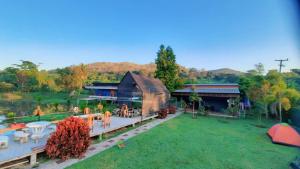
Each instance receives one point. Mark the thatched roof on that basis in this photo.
(148, 84)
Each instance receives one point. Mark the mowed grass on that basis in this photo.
(47, 117)
(205, 142)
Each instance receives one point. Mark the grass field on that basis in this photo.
(205, 143)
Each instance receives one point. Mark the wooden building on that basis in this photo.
(103, 91)
(151, 92)
(215, 96)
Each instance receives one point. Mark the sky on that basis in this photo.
(207, 34)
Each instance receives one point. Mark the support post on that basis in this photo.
(33, 159)
(100, 136)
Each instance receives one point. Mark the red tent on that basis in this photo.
(284, 134)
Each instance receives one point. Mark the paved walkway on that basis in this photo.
(97, 148)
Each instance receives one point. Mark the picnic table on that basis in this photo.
(38, 128)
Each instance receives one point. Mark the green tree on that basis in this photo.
(73, 78)
(8, 75)
(27, 75)
(27, 65)
(194, 98)
(166, 68)
(260, 69)
(285, 97)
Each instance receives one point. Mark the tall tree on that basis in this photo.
(286, 97)
(73, 78)
(260, 69)
(166, 68)
(27, 75)
(194, 98)
(27, 65)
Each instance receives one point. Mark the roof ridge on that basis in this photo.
(144, 81)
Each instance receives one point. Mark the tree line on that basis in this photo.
(27, 77)
(270, 92)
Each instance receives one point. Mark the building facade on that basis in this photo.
(215, 96)
(149, 92)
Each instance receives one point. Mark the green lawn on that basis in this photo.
(47, 117)
(205, 142)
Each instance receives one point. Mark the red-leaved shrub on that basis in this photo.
(163, 113)
(172, 109)
(71, 139)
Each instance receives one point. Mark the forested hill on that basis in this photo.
(147, 69)
(225, 71)
(121, 67)
(114, 71)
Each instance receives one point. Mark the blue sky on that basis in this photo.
(206, 34)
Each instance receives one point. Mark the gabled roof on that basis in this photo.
(213, 84)
(232, 88)
(149, 84)
(99, 85)
(211, 90)
(104, 84)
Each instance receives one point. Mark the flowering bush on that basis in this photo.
(163, 113)
(172, 109)
(71, 139)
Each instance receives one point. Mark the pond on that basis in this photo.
(2, 118)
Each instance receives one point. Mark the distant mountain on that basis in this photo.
(225, 71)
(147, 69)
(121, 67)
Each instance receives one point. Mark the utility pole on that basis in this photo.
(279, 96)
(281, 63)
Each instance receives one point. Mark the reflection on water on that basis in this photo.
(2, 117)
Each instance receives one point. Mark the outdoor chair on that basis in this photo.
(3, 142)
(116, 112)
(99, 116)
(26, 130)
(124, 111)
(86, 110)
(90, 120)
(106, 119)
(137, 112)
(21, 136)
(121, 112)
(130, 113)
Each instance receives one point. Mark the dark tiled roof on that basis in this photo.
(211, 90)
(214, 84)
(100, 85)
(104, 84)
